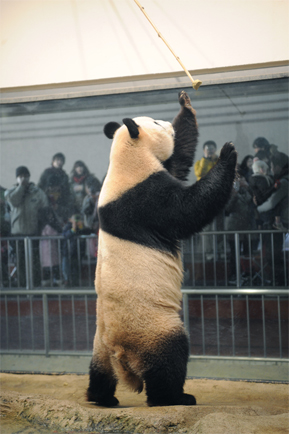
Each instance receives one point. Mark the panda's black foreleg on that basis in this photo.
(102, 385)
(166, 373)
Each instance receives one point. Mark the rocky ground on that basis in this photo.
(47, 404)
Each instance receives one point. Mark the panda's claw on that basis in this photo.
(228, 152)
(184, 99)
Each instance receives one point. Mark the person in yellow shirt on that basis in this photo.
(208, 161)
(201, 168)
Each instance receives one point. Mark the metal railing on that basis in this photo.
(219, 259)
(247, 323)
(48, 261)
(244, 317)
(227, 259)
(237, 323)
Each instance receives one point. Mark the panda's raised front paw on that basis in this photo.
(184, 99)
(228, 153)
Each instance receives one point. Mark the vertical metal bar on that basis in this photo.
(86, 322)
(218, 325)
(264, 327)
(248, 325)
(186, 314)
(19, 322)
(45, 324)
(284, 260)
(31, 321)
(225, 259)
(204, 259)
(79, 262)
(69, 261)
(6, 321)
(60, 322)
(279, 326)
(88, 242)
(272, 258)
(9, 263)
(262, 261)
(73, 322)
(50, 266)
(41, 261)
(250, 258)
(193, 261)
(17, 263)
(215, 259)
(203, 324)
(233, 325)
(237, 255)
(59, 261)
(28, 263)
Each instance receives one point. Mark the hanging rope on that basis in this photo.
(196, 83)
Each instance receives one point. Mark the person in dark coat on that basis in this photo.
(78, 178)
(261, 144)
(246, 167)
(239, 213)
(60, 179)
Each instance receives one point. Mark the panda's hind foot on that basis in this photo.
(187, 399)
(105, 401)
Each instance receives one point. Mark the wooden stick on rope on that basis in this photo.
(196, 83)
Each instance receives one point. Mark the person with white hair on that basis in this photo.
(260, 182)
(261, 186)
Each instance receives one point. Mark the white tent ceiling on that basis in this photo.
(63, 41)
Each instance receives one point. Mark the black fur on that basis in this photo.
(110, 128)
(186, 139)
(102, 386)
(132, 127)
(161, 210)
(166, 372)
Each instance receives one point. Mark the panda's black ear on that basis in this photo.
(110, 128)
(132, 127)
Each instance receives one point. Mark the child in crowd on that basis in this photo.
(73, 248)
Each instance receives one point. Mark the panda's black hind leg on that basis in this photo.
(102, 385)
(166, 373)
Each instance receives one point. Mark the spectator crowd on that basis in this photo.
(67, 205)
(259, 201)
(57, 205)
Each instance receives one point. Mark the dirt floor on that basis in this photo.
(56, 403)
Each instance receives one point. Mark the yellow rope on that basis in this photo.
(196, 83)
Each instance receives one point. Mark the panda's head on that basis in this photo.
(142, 133)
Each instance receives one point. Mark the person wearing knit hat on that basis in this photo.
(26, 201)
(22, 171)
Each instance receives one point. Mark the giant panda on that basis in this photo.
(145, 209)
